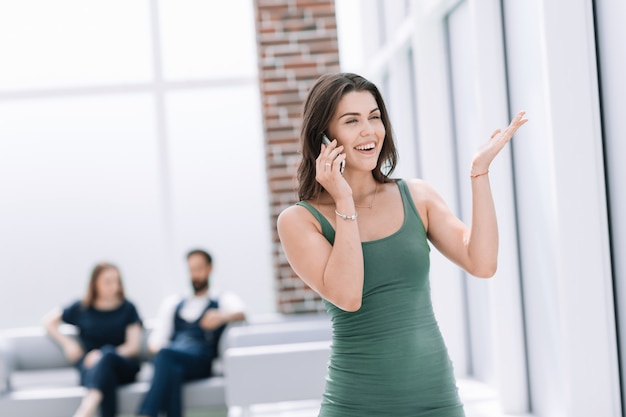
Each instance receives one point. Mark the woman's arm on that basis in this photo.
(132, 342)
(475, 249)
(71, 348)
(333, 271)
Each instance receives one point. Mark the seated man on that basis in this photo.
(185, 337)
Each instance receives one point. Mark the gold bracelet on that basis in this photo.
(345, 216)
(478, 175)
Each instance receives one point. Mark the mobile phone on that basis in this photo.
(326, 142)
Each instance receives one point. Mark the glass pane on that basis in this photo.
(463, 73)
(61, 43)
(78, 184)
(201, 40)
(219, 188)
(536, 210)
(611, 35)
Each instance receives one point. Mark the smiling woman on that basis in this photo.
(362, 131)
(370, 235)
(372, 111)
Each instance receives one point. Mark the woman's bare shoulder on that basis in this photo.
(294, 215)
(421, 190)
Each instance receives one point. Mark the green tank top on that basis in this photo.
(388, 359)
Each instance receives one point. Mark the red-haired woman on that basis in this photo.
(109, 339)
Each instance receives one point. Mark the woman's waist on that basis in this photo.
(377, 322)
(394, 336)
(415, 370)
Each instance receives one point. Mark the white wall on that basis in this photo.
(131, 145)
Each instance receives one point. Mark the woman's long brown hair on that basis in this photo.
(319, 108)
(92, 291)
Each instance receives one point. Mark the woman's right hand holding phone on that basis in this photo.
(328, 170)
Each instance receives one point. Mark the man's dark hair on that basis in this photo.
(204, 253)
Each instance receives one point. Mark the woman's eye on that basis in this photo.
(376, 116)
(351, 121)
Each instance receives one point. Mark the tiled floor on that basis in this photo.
(478, 400)
(202, 413)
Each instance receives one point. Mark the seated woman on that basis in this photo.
(109, 331)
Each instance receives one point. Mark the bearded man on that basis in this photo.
(185, 337)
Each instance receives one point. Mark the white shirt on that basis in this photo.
(192, 308)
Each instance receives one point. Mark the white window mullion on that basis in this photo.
(505, 298)
(437, 162)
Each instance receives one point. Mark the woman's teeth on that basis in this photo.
(365, 147)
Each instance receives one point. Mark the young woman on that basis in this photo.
(360, 240)
(109, 334)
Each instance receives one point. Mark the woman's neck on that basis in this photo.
(112, 303)
(363, 186)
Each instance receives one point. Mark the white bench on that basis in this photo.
(268, 366)
(282, 358)
(36, 379)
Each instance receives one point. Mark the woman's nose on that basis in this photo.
(368, 128)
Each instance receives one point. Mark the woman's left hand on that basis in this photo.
(92, 358)
(487, 152)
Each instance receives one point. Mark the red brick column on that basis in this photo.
(297, 42)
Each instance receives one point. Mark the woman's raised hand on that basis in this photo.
(487, 152)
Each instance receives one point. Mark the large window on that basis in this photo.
(542, 334)
(129, 132)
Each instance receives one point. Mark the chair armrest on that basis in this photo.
(275, 373)
(7, 363)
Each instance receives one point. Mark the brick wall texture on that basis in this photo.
(296, 43)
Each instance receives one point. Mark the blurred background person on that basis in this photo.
(186, 336)
(109, 339)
